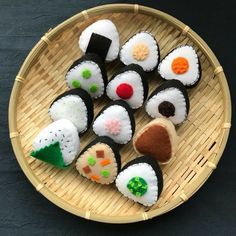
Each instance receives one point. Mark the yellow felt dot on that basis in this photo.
(140, 51)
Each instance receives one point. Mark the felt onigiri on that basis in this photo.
(100, 161)
(103, 33)
(181, 64)
(141, 180)
(75, 105)
(170, 100)
(141, 49)
(157, 139)
(57, 144)
(116, 121)
(129, 84)
(88, 73)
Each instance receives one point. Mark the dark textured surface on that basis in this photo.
(23, 211)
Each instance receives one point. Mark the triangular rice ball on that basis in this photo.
(129, 84)
(59, 134)
(115, 121)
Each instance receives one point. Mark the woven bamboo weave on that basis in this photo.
(202, 137)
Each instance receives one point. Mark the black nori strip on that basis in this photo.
(149, 160)
(199, 67)
(137, 68)
(126, 106)
(85, 97)
(173, 84)
(96, 59)
(99, 45)
(110, 143)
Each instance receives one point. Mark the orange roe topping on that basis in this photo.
(140, 51)
(180, 65)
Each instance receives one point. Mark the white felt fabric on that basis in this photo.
(114, 112)
(126, 52)
(132, 78)
(144, 171)
(96, 77)
(64, 132)
(73, 108)
(188, 78)
(172, 95)
(105, 28)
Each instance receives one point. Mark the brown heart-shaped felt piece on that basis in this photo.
(157, 139)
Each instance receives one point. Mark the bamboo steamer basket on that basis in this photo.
(202, 137)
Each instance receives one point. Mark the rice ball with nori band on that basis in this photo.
(75, 105)
(57, 144)
(181, 64)
(88, 73)
(141, 180)
(170, 100)
(100, 161)
(116, 120)
(141, 49)
(103, 33)
(129, 84)
(157, 139)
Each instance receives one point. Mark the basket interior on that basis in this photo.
(199, 135)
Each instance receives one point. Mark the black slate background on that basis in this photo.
(23, 211)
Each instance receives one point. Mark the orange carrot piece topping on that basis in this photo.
(105, 162)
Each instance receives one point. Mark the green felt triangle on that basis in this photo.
(51, 154)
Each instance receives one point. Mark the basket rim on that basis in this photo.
(15, 135)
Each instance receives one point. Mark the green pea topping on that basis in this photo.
(91, 161)
(76, 83)
(86, 74)
(105, 173)
(93, 88)
(137, 186)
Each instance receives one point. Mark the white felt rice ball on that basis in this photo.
(181, 64)
(150, 197)
(75, 105)
(129, 78)
(130, 85)
(63, 132)
(172, 95)
(141, 180)
(73, 108)
(170, 100)
(94, 85)
(89, 74)
(105, 28)
(141, 49)
(115, 123)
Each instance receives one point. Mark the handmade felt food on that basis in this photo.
(182, 64)
(57, 144)
(141, 180)
(129, 84)
(88, 73)
(75, 105)
(157, 139)
(100, 161)
(170, 100)
(103, 33)
(116, 121)
(141, 49)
